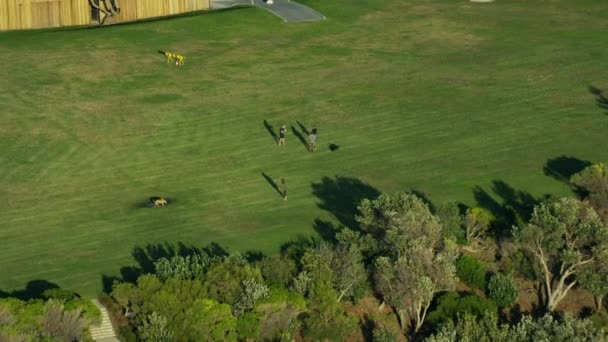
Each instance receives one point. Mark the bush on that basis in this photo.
(471, 271)
(59, 294)
(382, 334)
(125, 334)
(450, 305)
(248, 326)
(600, 320)
(503, 290)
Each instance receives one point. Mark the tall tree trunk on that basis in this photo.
(599, 305)
(402, 323)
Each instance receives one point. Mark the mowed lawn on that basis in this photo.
(448, 98)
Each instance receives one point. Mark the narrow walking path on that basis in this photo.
(104, 332)
(289, 11)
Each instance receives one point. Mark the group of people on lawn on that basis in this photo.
(312, 138)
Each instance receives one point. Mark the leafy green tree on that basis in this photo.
(594, 180)
(594, 278)
(224, 280)
(278, 270)
(188, 267)
(154, 329)
(452, 221)
(420, 262)
(451, 304)
(382, 334)
(472, 328)
(251, 293)
(503, 289)
(477, 222)
(564, 236)
(549, 329)
(326, 318)
(471, 271)
(212, 321)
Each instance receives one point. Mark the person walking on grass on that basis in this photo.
(282, 133)
(284, 190)
(313, 139)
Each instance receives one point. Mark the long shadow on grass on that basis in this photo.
(303, 128)
(341, 195)
(300, 137)
(272, 183)
(600, 99)
(147, 256)
(513, 208)
(271, 131)
(563, 168)
(33, 290)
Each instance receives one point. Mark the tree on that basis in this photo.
(224, 280)
(154, 329)
(212, 321)
(594, 278)
(564, 235)
(419, 262)
(594, 180)
(188, 267)
(547, 328)
(252, 293)
(278, 270)
(477, 221)
(503, 289)
(326, 318)
(470, 328)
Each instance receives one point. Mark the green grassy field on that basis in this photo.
(448, 98)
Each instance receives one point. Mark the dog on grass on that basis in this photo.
(159, 202)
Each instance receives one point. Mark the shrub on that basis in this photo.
(450, 305)
(382, 334)
(599, 319)
(503, 289)
(471, 271)
(126, 334)
(248, 326)
(59, 294)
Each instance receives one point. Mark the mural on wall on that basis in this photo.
(102, 10)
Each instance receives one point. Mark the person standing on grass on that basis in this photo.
(313, 139)
(282, 133)
(284, 190)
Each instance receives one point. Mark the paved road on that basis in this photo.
(289, 11)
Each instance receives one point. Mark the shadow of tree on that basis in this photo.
(151, 253)
(563, 167)
(295, 248)
(326, 230)
(600, 99)
(33, 290)
(341, 196)
(515, 207)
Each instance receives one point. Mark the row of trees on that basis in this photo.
(401, 252)
(59, 315)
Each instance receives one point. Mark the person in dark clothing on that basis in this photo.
(282, 132)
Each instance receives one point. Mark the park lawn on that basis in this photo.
(457, 101)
